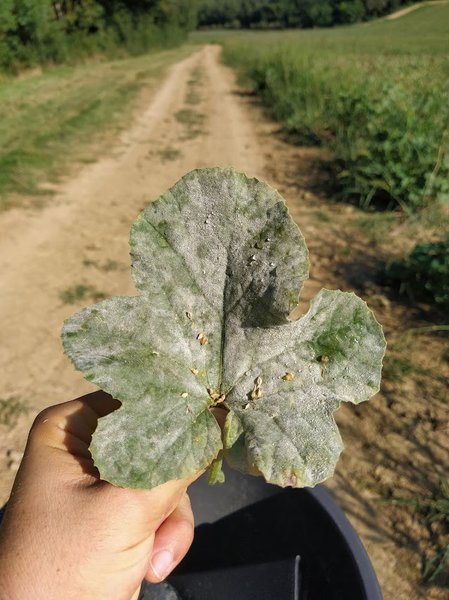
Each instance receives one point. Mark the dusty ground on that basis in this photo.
(196, 118)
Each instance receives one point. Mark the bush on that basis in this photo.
(424, 274)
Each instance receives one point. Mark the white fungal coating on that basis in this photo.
(210, 329)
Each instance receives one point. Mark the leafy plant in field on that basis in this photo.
(424, 274)
(388, 133)
(219, 263)
(390, 147)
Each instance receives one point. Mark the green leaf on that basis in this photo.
(219, 264)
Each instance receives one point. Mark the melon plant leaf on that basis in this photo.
(219, 263)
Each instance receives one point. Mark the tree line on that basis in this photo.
(39, 31)
(263, 14)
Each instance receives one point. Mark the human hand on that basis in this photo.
(67, 534)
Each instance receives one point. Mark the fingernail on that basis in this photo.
(161, 563)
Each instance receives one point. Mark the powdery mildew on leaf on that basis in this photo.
(219, 263)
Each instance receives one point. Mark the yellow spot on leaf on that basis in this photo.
(288, 376)
(202, 338)
(256, 393)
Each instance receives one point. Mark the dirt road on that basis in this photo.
(408, 9)
(81, 239)
(76, 248)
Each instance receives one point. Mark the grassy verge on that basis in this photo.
(51, 120)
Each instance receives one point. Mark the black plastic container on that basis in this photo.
(246, 523)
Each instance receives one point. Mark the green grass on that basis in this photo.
(322, 216)
(424, 273)
(399, 363)
(11, 409)
(169, 153)
(445, 355)
(376, 225)
(50, 120)
(398, 367)
(189, 117)
(193, 96)
(375, 94)
(192, 121)
(81, 292)
(434, 511)
(106, 267)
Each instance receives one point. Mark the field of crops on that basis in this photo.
(375, 94)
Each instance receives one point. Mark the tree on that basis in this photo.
(320, 13)
(350, 11)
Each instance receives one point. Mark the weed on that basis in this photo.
(87, 262)
(192, 120)
(109, 265)
(106, 267)
(322, 216)
(396, 367)
(432, 510)
(196, 77)
(189, 117)
(445, 355)
(192, 134)
(424, 274)
(78, 293)
(170, 153)
(192, 97)
(376, 225)
(11, 409)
